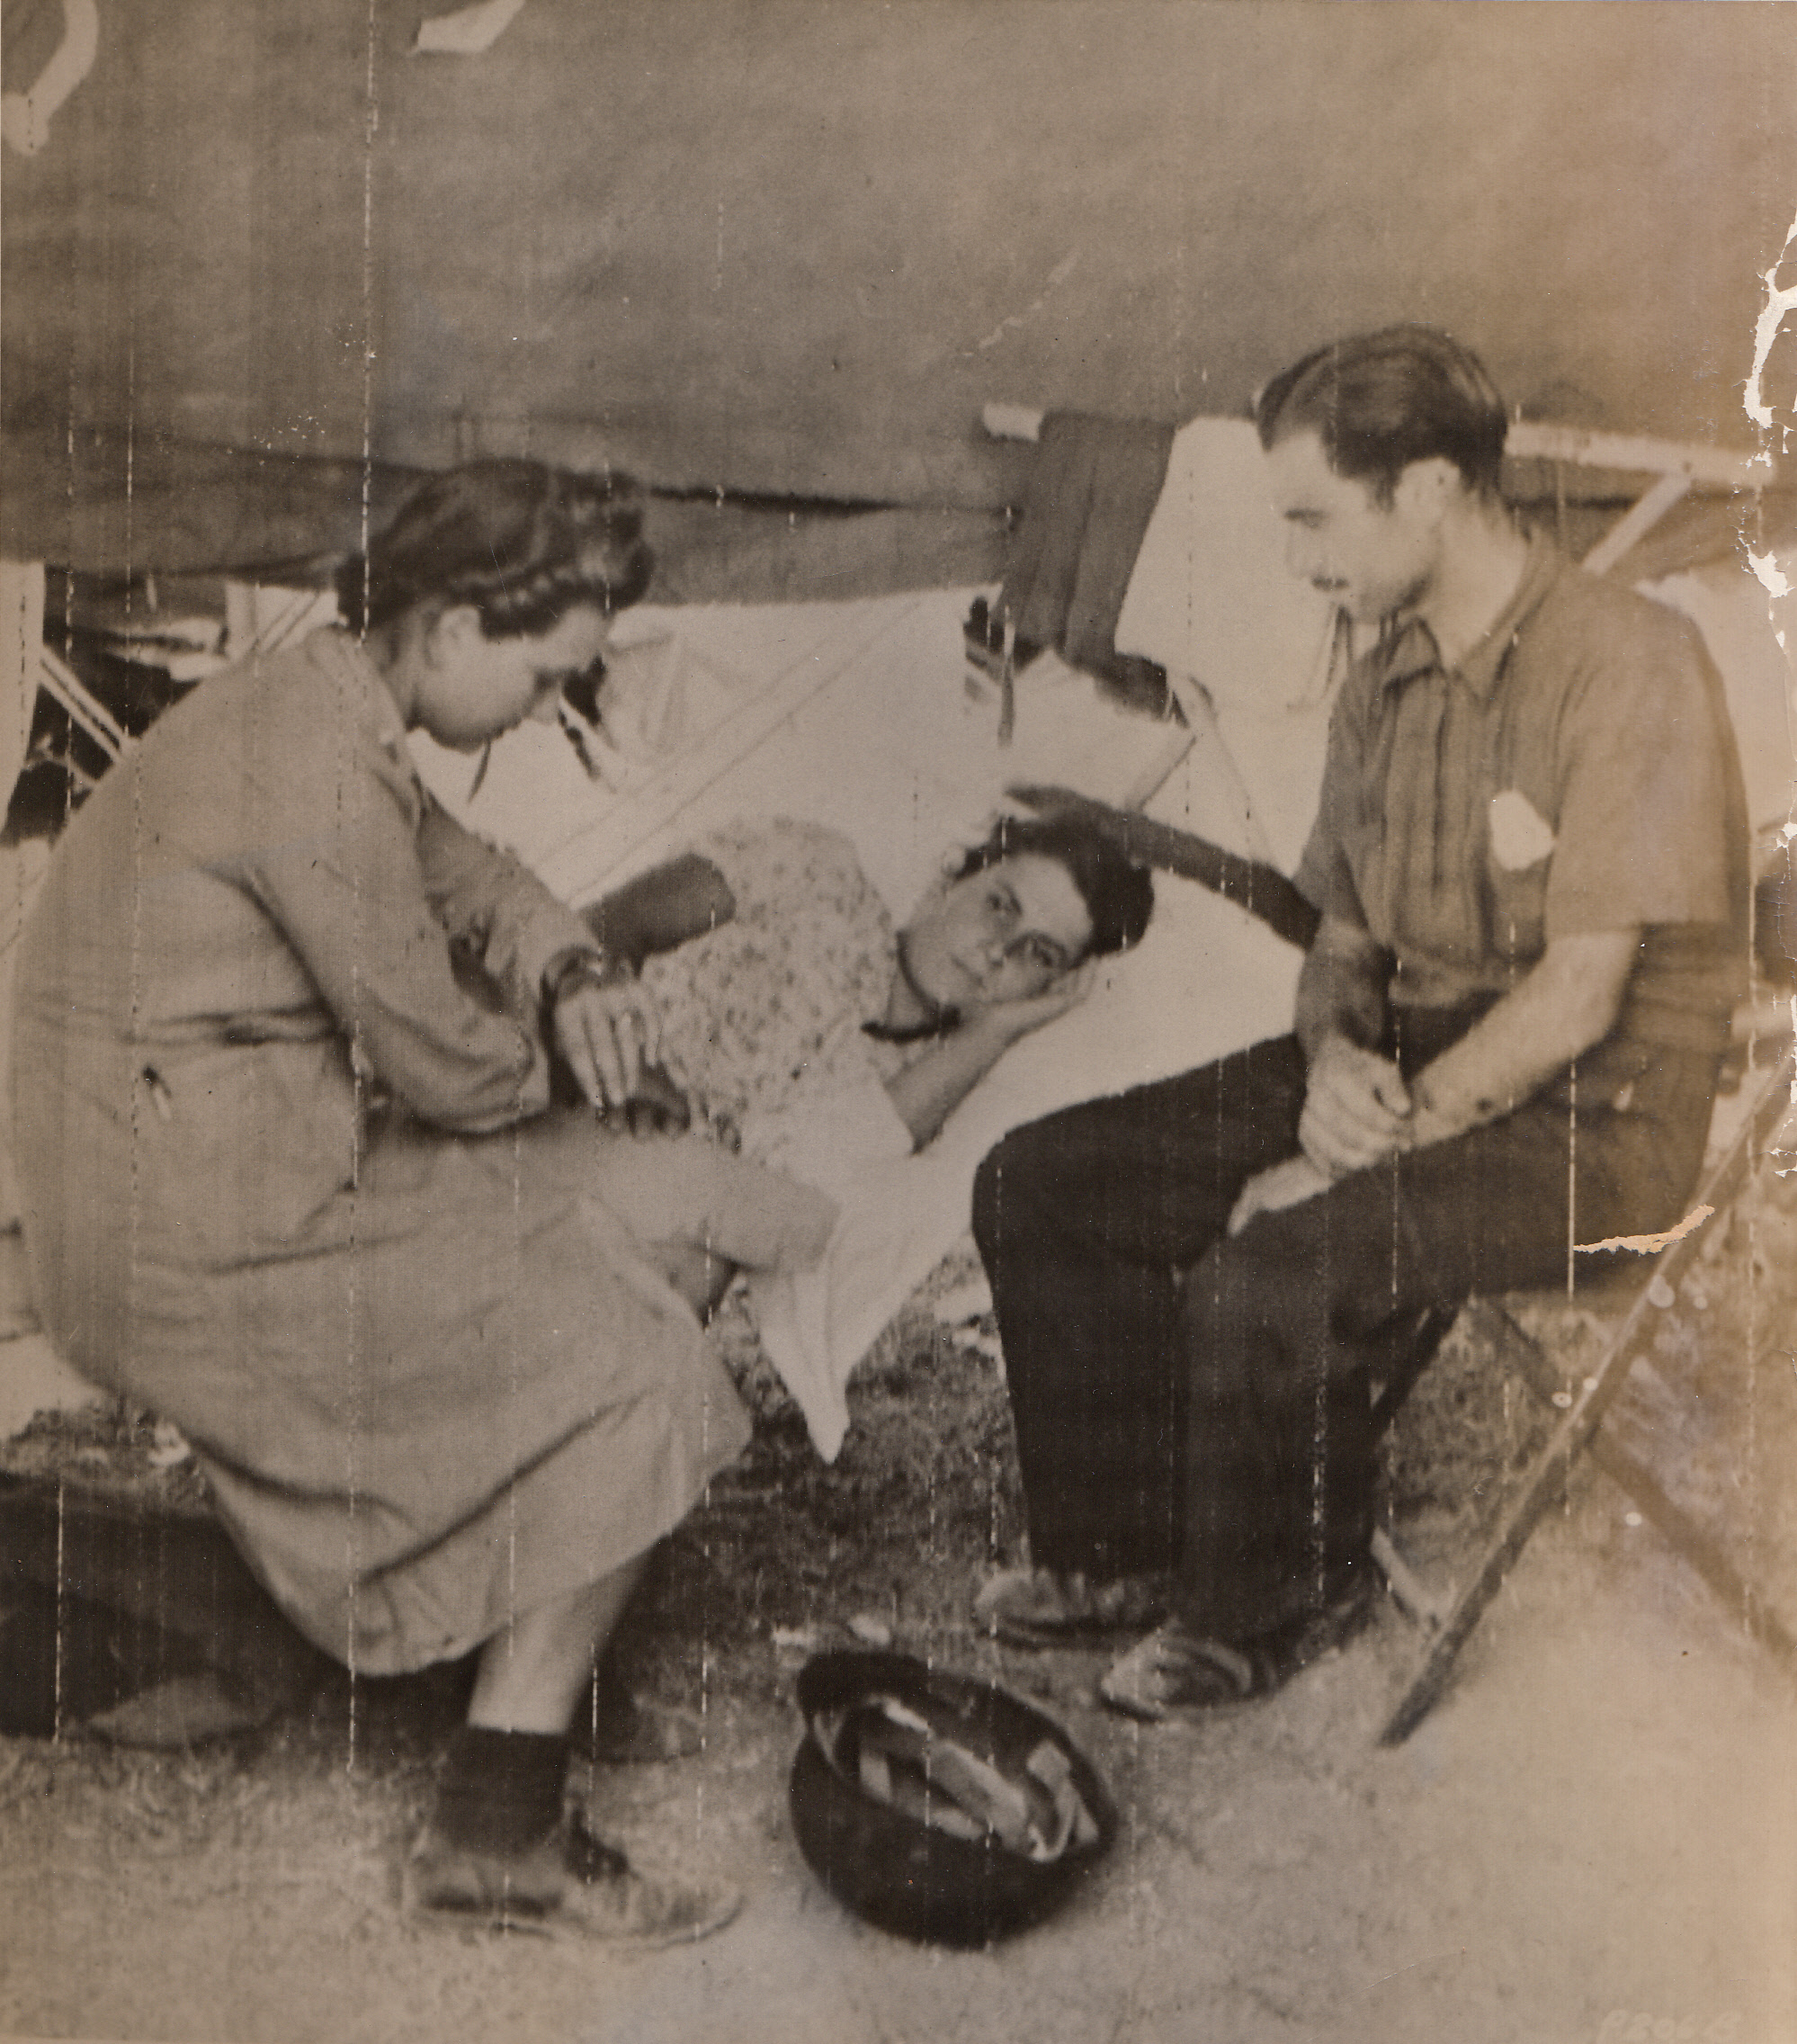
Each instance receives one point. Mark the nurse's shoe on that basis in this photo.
(568, 1884)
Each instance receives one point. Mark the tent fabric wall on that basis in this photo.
(790, 246)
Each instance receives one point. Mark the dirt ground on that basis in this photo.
(1593, 1837)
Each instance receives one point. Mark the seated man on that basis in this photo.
(1530, 862)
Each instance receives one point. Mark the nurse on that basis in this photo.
(305, 1084)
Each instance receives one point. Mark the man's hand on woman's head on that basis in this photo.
(1356, 1108)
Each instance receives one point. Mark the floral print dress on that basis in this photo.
(763, 1016)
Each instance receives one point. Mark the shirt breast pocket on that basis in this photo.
(1519, 857)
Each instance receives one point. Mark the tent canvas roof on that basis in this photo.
(792, 245)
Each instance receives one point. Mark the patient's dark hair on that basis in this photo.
(521, 542)
(1380, 401)
(1118, 893)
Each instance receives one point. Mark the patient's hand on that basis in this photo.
(1015, 1019)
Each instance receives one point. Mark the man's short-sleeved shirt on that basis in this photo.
(1577, 772)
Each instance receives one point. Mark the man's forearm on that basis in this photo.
(1341, 991)
(1569, 1002)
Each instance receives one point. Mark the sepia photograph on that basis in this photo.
(898, 968)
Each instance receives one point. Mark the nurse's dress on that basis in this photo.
(291, 1183)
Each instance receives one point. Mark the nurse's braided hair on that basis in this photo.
(519, 542)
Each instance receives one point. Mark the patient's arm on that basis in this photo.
(661, 910)
(607, 1024)
(928, 1091)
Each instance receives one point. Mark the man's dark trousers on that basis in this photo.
(1191, 1400)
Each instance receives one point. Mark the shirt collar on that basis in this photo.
(1411, 648)
(338, 649)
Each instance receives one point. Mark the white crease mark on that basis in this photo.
(467, 31)
(1057, 276)
(352, 1468)
(1648, 1245)
(1773, 578)
(1765, 332)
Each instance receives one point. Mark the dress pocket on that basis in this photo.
(243, 1152)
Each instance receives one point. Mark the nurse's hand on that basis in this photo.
(606, 1024)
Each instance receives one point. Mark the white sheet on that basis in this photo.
(1730, 609)
(1212, 601)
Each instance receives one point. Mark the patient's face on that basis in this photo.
(1373, 559)
(999, 935)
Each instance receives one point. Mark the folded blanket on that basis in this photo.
(1093, 488)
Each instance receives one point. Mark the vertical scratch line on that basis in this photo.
(512, 1381)
(126, 765)
(1747, 1206)
(56, 1702)
(352, 1299)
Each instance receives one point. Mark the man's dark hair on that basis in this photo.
(1380, 401)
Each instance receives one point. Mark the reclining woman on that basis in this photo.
(795, 1020)
(293, 1179)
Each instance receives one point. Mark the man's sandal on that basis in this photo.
(1177, 1673)
(1041, 1607)
(570, 1885)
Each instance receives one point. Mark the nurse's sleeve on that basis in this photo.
(487, 900)
(369, 907)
